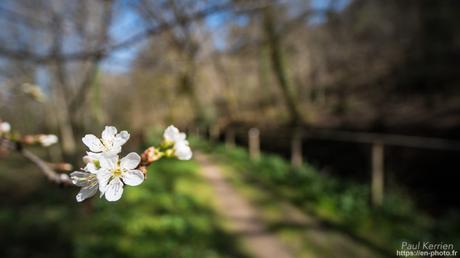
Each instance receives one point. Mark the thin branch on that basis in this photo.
(52, 175)
(91, 74)
(280, 31)
(101, 51)
(44, 166)
(19, 18)
(136, 38)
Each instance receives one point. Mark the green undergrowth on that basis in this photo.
(303, 234)
(343, 205)
(36, 217)
(171, 214)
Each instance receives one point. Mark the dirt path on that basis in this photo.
(242, 216)
(246, 221)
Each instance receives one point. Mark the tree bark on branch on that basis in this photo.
(43, 166)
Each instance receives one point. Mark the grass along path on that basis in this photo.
(269, 227)
(171, 215)
(242, 218)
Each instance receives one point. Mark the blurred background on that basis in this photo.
(335, 122)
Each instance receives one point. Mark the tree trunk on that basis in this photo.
(65, 124)
(276, 56)
(61, 92)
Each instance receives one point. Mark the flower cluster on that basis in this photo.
(45, 140)
(176, 144)
(5, 127)
(33, 91)
(107, 172)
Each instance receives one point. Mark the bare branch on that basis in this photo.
(52, 175)
(136, 38)
(16, 17)
(44, 166)
(82, 93)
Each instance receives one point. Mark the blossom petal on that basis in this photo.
(86, 192)
(91, 156)
(109, 133)
(80, 178)
(87, 159)
(113, 151)
(109, 163)
(180, 137)
(183, 151)
(103, 176)
(121, 138)
(170, 133)
(91, 167)
(114, 190)
(48, 140)
(93, 143)
(130, 161)
(5, 127)
(133, 177)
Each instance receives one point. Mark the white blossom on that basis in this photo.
(92, 161)
(5, 127)
(181, 146)
(47, 140)
(86, 179)
(106, 172)
(88, 183)
(34, 91)
(114, 173)
(109, 144)
(64, 177)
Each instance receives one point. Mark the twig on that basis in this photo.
(134, 39)
(52, 175)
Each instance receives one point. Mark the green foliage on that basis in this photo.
(345, 204)
(170, 215)
(36, 218)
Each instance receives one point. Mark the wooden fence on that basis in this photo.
(376, 141)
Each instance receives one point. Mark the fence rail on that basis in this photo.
(386, 139)
(377, 142)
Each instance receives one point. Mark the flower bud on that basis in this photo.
(64, 177)
(60, 166)
(5, 127)
(29, 139)
(47, 140)
(34, 91)
(144, 170)
(149, 156)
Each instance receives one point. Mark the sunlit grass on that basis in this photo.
(36, 217)
(344, 204)
(171, 215)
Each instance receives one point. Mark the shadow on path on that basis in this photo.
(242, 217)
(317, 238)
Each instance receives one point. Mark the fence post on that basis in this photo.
(377, 174)
(214, 133)
(254, 143)
(197, 132)
(296, 148)
(230, 137)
